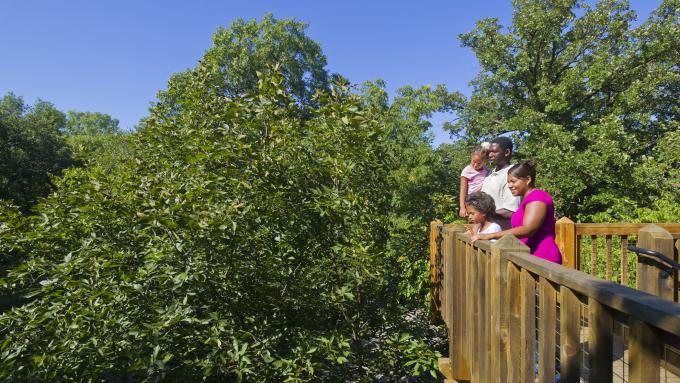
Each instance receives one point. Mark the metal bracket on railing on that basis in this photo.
(671, 266)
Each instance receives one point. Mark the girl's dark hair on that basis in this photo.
(524, 170)
(483, 203)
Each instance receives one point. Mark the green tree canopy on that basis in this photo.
(249, 47)
(32, 149)
(588, 96)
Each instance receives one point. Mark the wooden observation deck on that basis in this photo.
(605, 316)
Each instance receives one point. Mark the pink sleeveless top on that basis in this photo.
(542, 243)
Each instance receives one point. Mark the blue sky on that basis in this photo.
(113, 56)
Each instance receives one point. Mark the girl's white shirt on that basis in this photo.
(493, 228)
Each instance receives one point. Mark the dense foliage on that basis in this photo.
(592, 99)
(243, 237)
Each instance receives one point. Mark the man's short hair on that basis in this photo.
(503, 142)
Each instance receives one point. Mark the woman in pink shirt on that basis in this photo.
(534, 222)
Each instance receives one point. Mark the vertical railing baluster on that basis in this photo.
(600, 342)
(546, 335)
(512, 299)
(435, 272)
(608, 267)
(624, 260)
(593, 255)
(570, 344)
(528, 326)
(579, 252)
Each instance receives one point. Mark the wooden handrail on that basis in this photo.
(620, 228)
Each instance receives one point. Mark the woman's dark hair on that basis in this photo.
(524, 170)
(483, 203)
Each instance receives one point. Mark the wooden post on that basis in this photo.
(454, 298)
(547, 325)
(500, 309)
(435, 229)
(652, 278)
(565, 236)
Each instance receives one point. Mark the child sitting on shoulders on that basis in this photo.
(481, 211)
(472, 177)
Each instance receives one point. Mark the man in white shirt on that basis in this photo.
(496, 183)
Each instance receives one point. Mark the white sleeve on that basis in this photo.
(493, 228)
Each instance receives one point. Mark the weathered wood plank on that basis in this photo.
(457, 352)
(497, 338)
(600, 341)
(444, 289)
(499, 306)
(570, 346)
(435, 316)
(547, 324)
(482, 325)
(645, 351)
(512, 309)
(475, 329)
(527, 326)
(469, 336)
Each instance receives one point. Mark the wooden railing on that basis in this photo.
(513, 317)
(580, 244)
